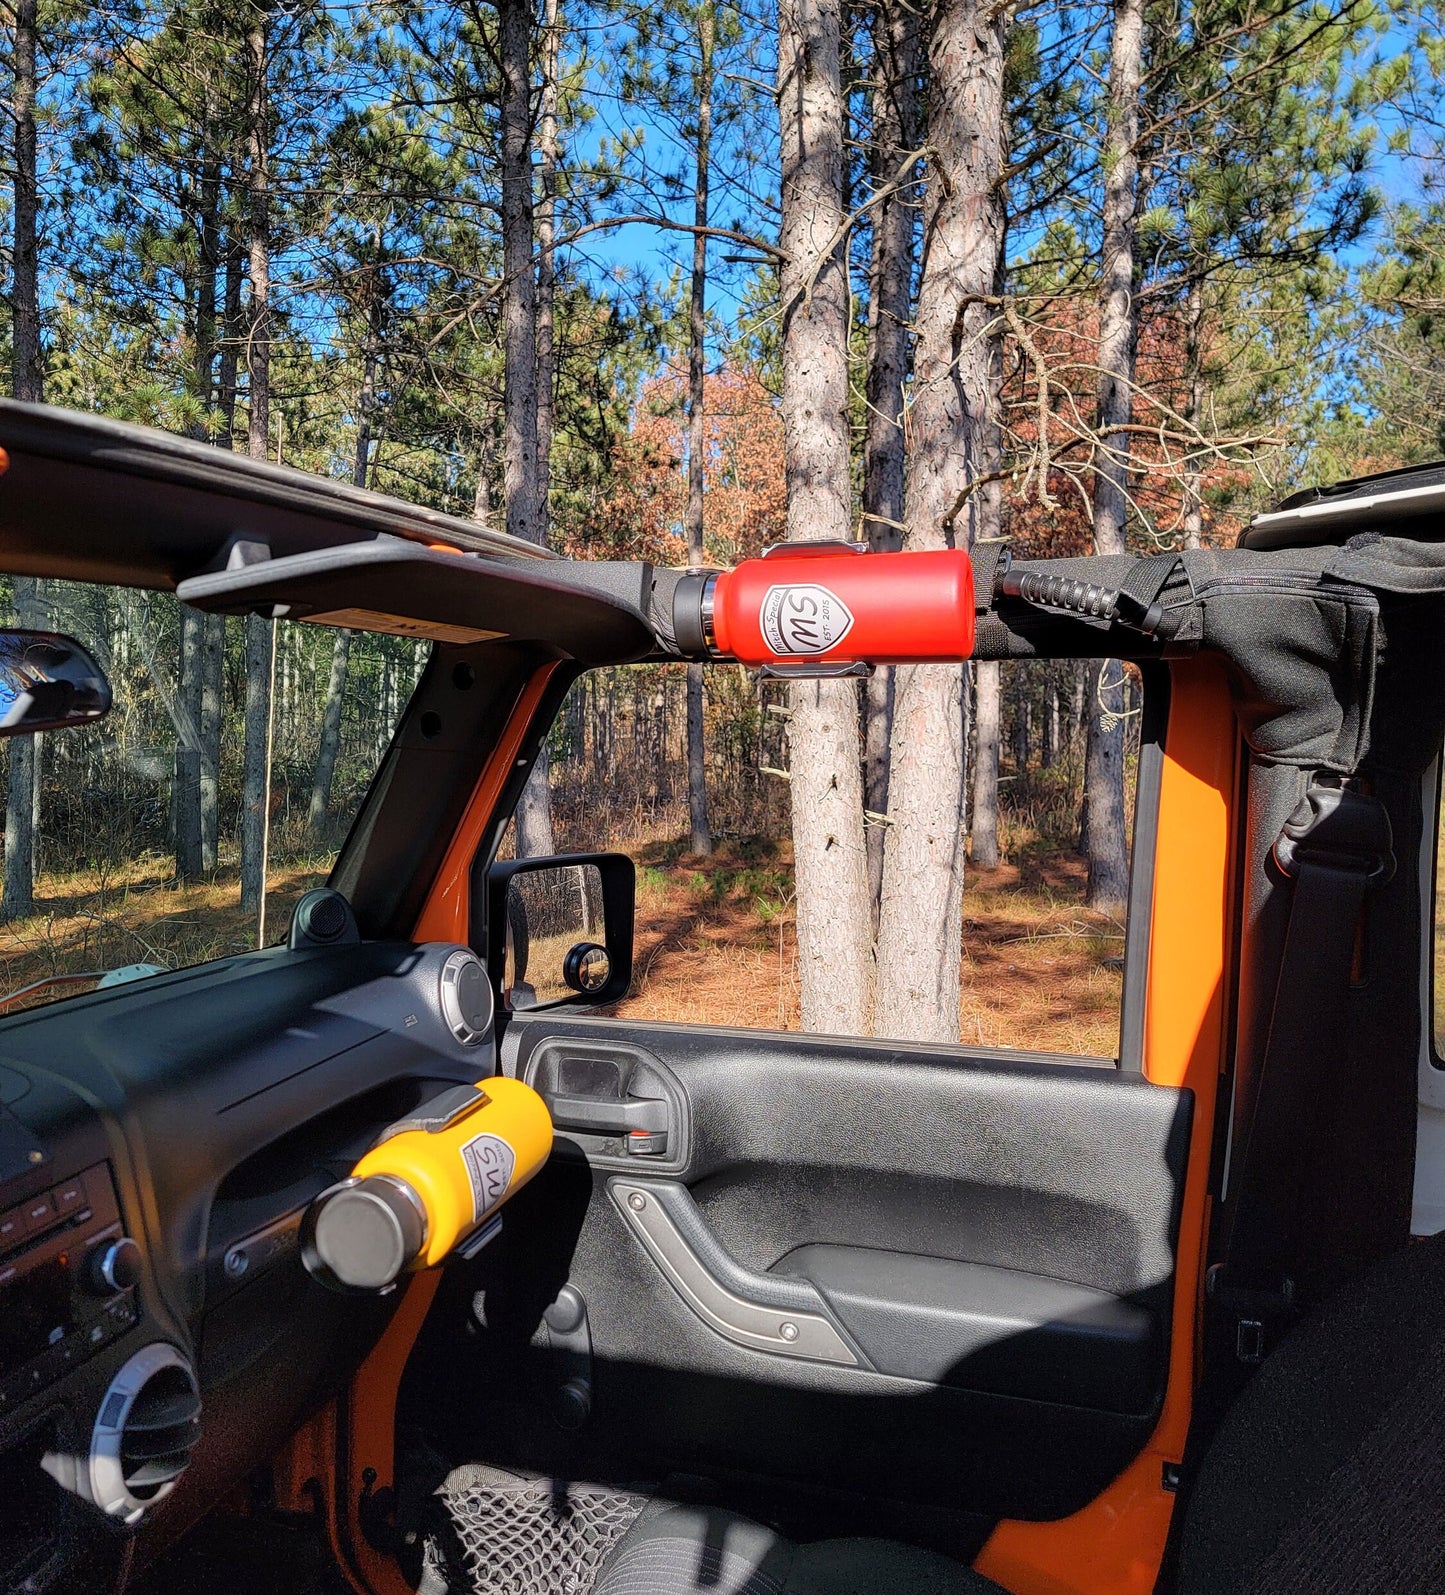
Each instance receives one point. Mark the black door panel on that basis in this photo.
(885, 1271)
(1060, 1168)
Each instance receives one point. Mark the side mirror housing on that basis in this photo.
(559, 930)
(48, 682)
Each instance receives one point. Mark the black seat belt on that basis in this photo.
(1336, 847)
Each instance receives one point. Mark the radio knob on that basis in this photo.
(114, 1266)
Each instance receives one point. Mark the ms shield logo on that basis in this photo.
(804, 619)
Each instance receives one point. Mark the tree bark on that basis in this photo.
(830, 854)
(1049, 752)
(549, 153)
(522, 480)
(519, 295)
(186, 783)
(1023, 719)
(232, 330)
(953, 428)
(699, 829)
(213, 653)
(234, 321)
(896, 48)
(26, 383)
(255, 795)
(1118, 336)
(194, 790)
(27, 380)
(985, 763)
(330, 744)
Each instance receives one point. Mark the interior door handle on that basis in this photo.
(765, 1312)
(608, 1115)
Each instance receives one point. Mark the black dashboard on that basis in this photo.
(160, 1142)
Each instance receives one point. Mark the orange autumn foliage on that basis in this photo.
(744, 503)
(1051, 447)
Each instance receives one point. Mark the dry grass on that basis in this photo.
(105, 916)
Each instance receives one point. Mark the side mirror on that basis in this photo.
(559, 930)
(48, 682)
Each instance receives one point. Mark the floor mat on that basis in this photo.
(526, 1537)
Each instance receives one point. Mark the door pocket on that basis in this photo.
(766, 1312)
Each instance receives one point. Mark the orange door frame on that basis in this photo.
(1114, 1545)
(349, 1447)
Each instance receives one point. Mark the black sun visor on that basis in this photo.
(85, 498)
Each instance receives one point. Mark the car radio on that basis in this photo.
(67, 1282)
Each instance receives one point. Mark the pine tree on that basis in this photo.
(829, 852)
(952, 428)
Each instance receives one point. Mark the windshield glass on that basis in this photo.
(236, 751)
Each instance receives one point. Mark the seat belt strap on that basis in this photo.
(1337, 848)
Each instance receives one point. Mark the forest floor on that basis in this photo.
(716, 939)
(89, 921)
(716, 944)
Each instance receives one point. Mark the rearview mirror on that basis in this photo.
(559, 930)
(48, 682)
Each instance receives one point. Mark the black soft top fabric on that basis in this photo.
(1311, 635)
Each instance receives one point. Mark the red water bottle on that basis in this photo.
(806, 604)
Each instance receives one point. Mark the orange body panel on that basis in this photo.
(354, 1434)
(447, 913)
(337, 1453)
(1114, 1545)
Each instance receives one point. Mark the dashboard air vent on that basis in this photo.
(466, 997)
(149, 1421)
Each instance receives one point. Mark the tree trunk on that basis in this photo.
(519, 294)
(698, 826)
(1118, 335)
(27, 383)
(1078, 704)
(830, 856)
(1023, 720)
(549, 153)
(213, 654)
(522, 484)
(194, 787)
(186, 783)
(896, 47)
(330, 744)
(27, 380)
(1049, 753)
(255, 795)
(234, 318)
(985, 766)
(953, 429)
(1193, 410)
